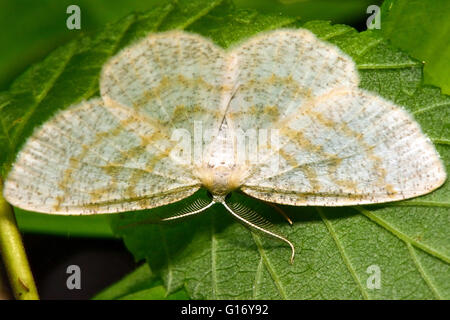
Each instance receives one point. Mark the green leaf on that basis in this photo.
(140, 284)
(421, 28)
(226, 25)
(140, 279)
(211, 255)
(156, 293)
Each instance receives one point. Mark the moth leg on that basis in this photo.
(280, 211)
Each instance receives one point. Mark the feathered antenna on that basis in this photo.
(254, 220)
(197, 206)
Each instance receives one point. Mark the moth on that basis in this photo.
(335, 144)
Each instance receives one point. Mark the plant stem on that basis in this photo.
(13, 254)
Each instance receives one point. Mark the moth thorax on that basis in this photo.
(220, 180)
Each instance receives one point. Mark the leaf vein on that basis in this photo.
(344, 256)
(169, 262)
(441, 141)
(258, 275)
(365, 66)
(269, 266)
(424, 275)
(402, 235)
(434, 106)
(213, 260)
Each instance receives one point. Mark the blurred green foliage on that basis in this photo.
(421, 28)
(31, 29)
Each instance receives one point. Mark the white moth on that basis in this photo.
(336, 144)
